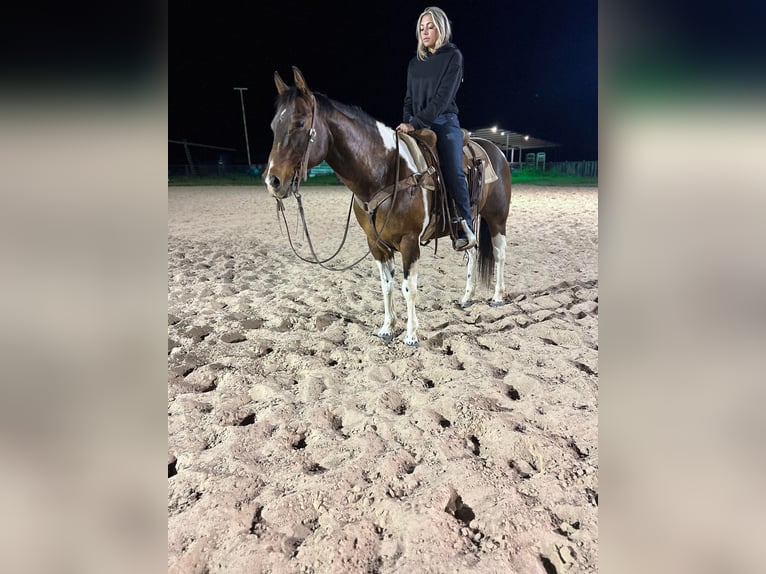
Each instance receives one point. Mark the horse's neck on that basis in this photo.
(361, 158)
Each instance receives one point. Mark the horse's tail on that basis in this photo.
(486, 262)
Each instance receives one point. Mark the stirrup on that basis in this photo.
(467, 242)
(463, 244)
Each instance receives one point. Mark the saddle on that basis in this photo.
(477, 168)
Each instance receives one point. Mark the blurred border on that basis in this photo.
(83, 252)
(683, 272)
(83, 229)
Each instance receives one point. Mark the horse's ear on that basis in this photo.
(300, 82)
(281, 86)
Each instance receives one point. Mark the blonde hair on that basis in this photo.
(443, 26)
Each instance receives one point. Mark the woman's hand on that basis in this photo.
(406, 128)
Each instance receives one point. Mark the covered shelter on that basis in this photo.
(510, 141)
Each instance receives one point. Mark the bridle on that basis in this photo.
(304, 171)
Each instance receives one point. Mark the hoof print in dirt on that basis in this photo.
(252, 323)
(198, 334)
(233, 338)
(460, 510)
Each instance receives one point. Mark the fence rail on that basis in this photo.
(578, 168)
(225, 169)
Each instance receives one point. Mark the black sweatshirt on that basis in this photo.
(432, 85)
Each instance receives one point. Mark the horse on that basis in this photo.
(367, 157)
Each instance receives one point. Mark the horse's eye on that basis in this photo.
(299, 124)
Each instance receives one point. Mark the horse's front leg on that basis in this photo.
(410, 250)
(470, 279)
(386, 269)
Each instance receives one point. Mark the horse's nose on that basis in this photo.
(272, 181)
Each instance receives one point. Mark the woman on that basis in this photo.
(433, 78)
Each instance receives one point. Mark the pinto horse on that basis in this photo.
(368, 157)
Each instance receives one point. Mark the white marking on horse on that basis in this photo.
(389, 141)
(278, 118)
(386, 284)
(470, 277)
(388, 135)
(267, 175)
(410, 292)
(498, 246)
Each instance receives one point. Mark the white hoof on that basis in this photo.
(411, 341)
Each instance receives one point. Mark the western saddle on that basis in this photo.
(478, 171)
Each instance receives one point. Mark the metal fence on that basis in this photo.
(225, 169)
(206, 170)
(578, 168)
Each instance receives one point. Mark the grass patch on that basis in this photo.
(539, 177)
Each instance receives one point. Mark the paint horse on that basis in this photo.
(369, 157)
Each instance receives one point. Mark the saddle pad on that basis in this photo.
(489, 171)
(414, 148)
(420, 160)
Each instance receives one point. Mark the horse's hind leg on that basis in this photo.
(386, 269)
(498, 248)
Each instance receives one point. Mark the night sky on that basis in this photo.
(531, 67)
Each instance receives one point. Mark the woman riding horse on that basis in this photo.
(392, 199)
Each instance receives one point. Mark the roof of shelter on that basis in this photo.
(507, 139)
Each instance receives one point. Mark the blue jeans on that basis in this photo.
(449, 143)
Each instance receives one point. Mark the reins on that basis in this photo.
(316, 260)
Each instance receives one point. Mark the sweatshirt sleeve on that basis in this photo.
(444, 94)
(407, 112)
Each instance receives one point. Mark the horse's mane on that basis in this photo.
(354, 112)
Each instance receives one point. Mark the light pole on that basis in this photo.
(244, 123)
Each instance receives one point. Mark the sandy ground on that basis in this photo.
(298, 441)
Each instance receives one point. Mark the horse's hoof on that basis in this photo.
(411, 342)
(466, 304)
(496, 303)
(387, 337)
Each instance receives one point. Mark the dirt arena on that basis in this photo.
(298, 441)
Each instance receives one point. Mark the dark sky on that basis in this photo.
(531, 67)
